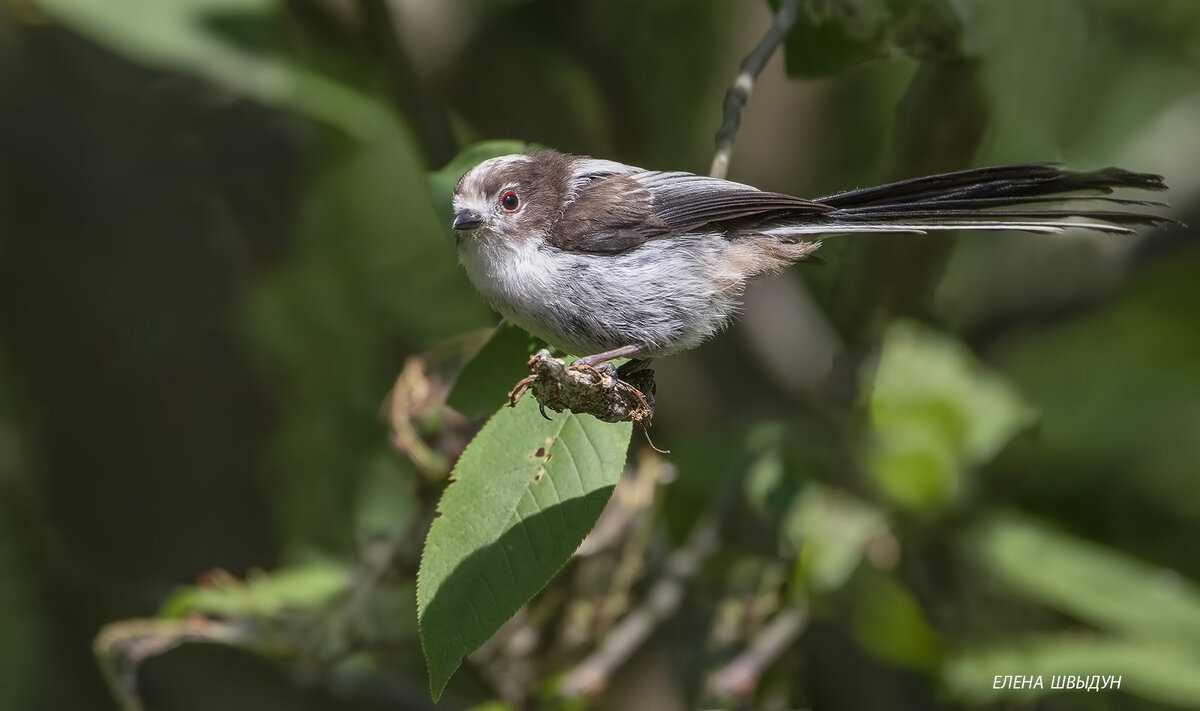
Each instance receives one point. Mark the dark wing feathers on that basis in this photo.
(616, 212)
(610, 214)
(973, 195)
(1006, 181)
(690, 202)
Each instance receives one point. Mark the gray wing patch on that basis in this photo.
(687, 202)
(610, 214)
(619, 212)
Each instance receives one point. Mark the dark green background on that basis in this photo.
(217, 248)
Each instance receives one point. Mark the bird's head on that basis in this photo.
(512, 197)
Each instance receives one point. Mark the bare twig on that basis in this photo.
(590, 676)
(752, 66)
(739, 677)
(122, 646)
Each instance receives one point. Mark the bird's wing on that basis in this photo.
(614, 207)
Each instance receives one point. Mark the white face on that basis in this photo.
(490, 197)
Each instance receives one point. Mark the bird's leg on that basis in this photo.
(598, 358)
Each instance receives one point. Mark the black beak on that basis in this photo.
(466, 221)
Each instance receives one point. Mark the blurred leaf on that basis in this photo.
(180, 35)
(767, 488)
(521, 498)
(484, 382)
(1155, 671)
(493, 706)
(889, 623)
(386, 501)
(1094, 74)
(387, 615)
(260, 594)
(372, 274)
(706, 461)
(831, 529)
(1092, 583)
(442, 182)
(1120, 418)
(935, 411)
(831, 36)
(24, 665)
(369, 220)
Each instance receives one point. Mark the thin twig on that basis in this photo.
(752, 66)
(739, 677)
(591, 675)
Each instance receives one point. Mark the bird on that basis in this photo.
(606, 260)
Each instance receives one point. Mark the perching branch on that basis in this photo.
(585, 389)
(752, 66)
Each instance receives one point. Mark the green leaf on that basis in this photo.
(260, 594)
(831, 529)
(521, 498)
(1155, 671)
(1087, 581)
(830, 37)
(370, 275)
(442, 182)
(24, 622)
(935, 412)
(890, 624)
(485, 380)
(181, 35)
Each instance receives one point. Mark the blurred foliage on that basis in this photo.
(934, 412)
(223, 243)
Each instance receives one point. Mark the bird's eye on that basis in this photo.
(509, 201)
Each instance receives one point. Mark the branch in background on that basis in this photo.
(590, 676)
(740, 677)
(736, 96)
(424, 111)
(122, 646)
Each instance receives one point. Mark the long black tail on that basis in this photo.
(1033, 197)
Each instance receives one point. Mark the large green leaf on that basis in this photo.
(1092, 583)
(521, 498)
(491, 373)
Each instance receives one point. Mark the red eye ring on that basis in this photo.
(509, 202)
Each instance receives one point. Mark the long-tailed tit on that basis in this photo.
(609, 260)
